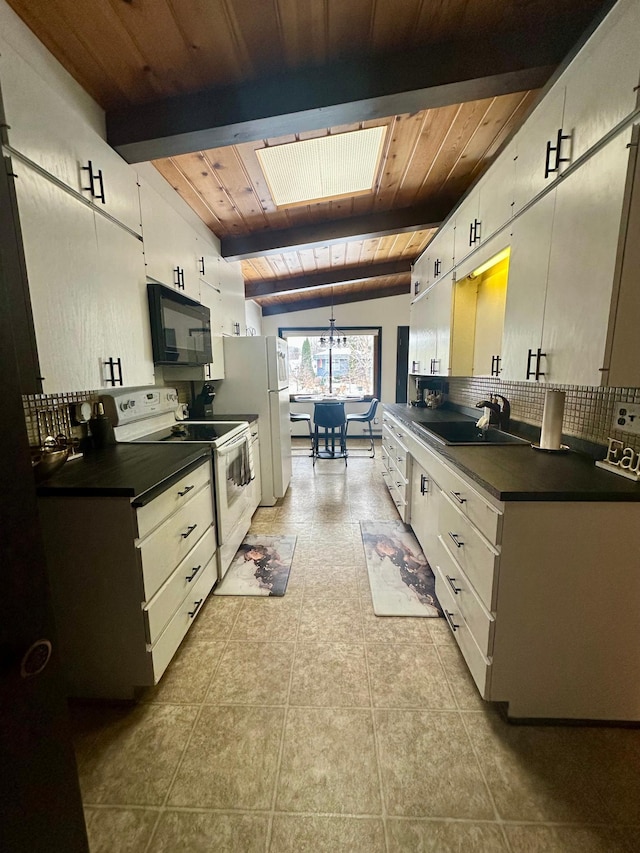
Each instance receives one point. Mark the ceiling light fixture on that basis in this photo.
(491, 262)
(324, 167)
(333, 337)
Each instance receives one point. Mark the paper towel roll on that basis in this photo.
(551, 435)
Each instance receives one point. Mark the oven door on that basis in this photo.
(234, 468)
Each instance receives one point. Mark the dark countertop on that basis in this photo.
(137, 471)
(517, 472)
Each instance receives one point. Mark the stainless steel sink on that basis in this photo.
(466, 432)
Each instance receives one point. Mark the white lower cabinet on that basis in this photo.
(395, 460)
(538, 594)
(127, 582)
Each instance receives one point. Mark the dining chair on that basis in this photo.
(331, 419)
(303, 417)
(364, 418)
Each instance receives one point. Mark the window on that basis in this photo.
(350, 368)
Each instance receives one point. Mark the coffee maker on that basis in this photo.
(422, 384)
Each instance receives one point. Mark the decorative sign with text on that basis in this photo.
(621, 460)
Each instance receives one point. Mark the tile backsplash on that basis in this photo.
(588, 413)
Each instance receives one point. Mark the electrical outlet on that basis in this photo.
(626, 417)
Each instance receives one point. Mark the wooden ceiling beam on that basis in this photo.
(338, 299)
(356, 90)
(340, 275)
(346, 230)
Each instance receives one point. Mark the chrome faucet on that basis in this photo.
(499, 415)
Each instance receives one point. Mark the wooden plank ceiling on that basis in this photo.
(144, 59)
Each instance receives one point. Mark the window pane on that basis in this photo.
(314, 368)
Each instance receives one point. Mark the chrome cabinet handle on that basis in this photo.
(190, 530)
(452, 624)
(452, 584)
(185, 490)
(458, 497)
(455, 538)
(196, 607)
(194, 572)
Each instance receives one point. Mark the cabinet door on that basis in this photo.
(526, 287)
(601, 83)
(170, 244)
(60, 247)
(422, 338)
(122, 305)
(531, 147)
(441, 250)
(424, 511)
(61, 133)
(467, 226)
(584, 247)
(441, 317)
(496, 192)
(233, 318)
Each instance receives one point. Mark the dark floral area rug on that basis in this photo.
(401, 580)
(261, 566)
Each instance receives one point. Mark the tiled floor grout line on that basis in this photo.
(285, 719)
(498, 816)
(189, 738)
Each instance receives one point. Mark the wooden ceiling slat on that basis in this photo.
(352, 254)
(162, 44)
(345, 19)
(303, 31)
(191, 195)
(225, 167)
(100, 54)
(255, 32)
(198, 173)
(393, 31)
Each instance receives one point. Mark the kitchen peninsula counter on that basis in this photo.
(136, 471)
(517, 472)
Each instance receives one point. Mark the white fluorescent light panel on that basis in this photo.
(324, 167)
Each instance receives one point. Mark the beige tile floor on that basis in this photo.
(306, 723)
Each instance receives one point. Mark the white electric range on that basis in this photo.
(149, 416)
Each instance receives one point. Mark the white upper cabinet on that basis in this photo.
(582, 266)
(524, 310)
(467, 226)
(441, 251)
(170, 244)
(497, 195)
(65, 142)
(539, 156)
(602, 81)
(87, 289)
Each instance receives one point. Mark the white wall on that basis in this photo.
(253, 315)
(389, 313)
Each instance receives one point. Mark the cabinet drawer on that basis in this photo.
(168, 642)
(479, 665)
(486, 518)
(479, 621)
(171, 542)
(166, 601)
(475, 556)
(176, 495)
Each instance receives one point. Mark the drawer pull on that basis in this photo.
(458, 497)
(399, 485)
(185, 490)
(196, 607)
(452, 624)
(194, 572)
(190, 530)
(455, 538)
(452, 584)
(424, 484)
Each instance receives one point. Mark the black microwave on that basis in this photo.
(180, 328)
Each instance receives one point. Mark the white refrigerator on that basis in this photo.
(257, 380)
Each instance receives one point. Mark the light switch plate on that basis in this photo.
(626, 417)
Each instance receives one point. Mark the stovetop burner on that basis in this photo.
(190, 431)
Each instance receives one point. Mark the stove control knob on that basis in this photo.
(124, 406)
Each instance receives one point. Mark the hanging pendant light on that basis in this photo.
(333, 337)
